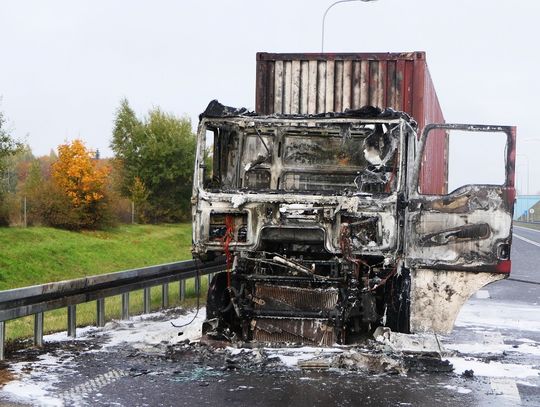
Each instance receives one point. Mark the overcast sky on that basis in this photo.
(66, 64)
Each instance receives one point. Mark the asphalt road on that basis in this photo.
(498, 337)
(525, 257)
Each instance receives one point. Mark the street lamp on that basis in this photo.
(527, 157)
(326, 12)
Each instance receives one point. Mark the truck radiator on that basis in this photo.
(294, 314)
(285, 298)
(316, 332)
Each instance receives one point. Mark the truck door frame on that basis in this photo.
(457, 242)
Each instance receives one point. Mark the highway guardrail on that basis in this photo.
(37, 299)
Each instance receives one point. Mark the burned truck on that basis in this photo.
(330, 226)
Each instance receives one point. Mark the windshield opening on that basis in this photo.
(325, 159)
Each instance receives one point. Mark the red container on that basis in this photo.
(318, 83)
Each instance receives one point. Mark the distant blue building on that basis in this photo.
(523, 204)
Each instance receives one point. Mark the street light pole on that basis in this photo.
(527, 157)
(326, 12)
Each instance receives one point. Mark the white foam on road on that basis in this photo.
(500, 315)
(459, 389)
(482, 349)
(153, 332)
(36, 381)
(492, 369)
(291, 356)
(488, 317)
(146, 331)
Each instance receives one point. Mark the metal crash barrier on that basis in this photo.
(35, 300)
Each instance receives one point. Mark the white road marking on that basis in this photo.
(506, 390)
(527, 240)
(493, 338)
(482, 294)
(503, 387)
(75, 394)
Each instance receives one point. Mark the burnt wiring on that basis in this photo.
(346, 251)
(226, 241)
(384, 280)
(198, 294)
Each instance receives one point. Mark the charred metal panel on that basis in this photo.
(457, 234)
(467, 239)
(468, 229)
(318, 169)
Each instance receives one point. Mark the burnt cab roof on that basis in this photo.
(217, 110)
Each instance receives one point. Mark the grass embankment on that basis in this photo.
(39, 255)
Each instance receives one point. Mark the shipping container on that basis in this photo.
(301, 83)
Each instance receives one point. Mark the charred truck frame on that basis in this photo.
(328, 232)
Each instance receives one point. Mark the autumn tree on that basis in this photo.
(159, 151)
(8, 147)
(81, 184)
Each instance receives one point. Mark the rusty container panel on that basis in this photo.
(318, 83)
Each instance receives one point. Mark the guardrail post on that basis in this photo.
(182, 293)
(100, 312)
(2, 338)
(210, 276)
(72, 320)
(197, 284)
(125, 306)
(146, 300)
(38, 329)
(165, 295)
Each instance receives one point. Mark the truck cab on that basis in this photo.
(326, 230)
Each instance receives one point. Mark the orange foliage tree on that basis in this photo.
(77, 175)
(83, 182)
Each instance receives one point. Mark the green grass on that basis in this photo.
(39, 255)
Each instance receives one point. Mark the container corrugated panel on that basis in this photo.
(318, 83)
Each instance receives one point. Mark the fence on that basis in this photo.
(35, 300)
(523, 206)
